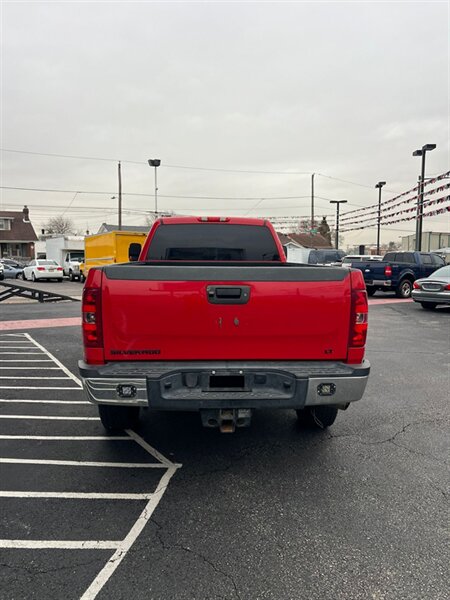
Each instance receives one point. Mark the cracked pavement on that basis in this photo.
(278, 512)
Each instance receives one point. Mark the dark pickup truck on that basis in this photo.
(398, 271)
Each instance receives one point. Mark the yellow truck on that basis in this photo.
(106, 249)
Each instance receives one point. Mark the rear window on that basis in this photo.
(213, 241)
(46, 262)
(401, 257)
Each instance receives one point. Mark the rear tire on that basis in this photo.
(118, 417)
(320, 417)
(371, 291)
(428, 305)
(33, 276)
(404, 289)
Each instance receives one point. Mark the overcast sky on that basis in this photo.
(345, 89)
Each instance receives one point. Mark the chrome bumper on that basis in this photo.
(186, 385)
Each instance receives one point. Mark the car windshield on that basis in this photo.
(442, 272)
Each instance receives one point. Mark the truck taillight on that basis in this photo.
(92, 318)
(388, 271)
(358, 318)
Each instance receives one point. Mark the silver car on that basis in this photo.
(433, 290)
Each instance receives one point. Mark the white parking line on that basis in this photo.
(28, 368)
(80, 463)
(40, 387)
(17, 377)
(129, 540)
(137, 438)
(60, 545)
(75, 495)
(14, 401)
(55, 360)
(49, 418)
(36, 353)
(70, 438)
(21, 353)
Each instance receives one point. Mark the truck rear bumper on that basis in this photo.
(224, 384)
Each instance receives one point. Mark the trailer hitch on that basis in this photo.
(226, 419)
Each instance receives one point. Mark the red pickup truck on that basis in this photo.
(212, 318)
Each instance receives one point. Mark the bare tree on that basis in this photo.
(60, 225)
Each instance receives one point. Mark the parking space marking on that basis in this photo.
(14, 401)
(49, 418)
(55, 360)
(27, 378)
(27, 387)
(69, 438)
(63, 545)
(76, 495)
(81, 463)
(123, 548)
(28, 368)
(20, 348)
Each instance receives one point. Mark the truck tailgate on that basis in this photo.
(179, 312)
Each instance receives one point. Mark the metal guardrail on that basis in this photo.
(32, 293)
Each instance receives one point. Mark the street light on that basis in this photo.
(379, 186)
(155, 162)
(420, 194)
(337, 202)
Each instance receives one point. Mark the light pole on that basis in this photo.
(337, 202)
(420, 194)
(379, 186)
(155, 162)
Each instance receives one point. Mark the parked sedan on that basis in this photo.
(433, 290)
(10, 272)
(43, 269)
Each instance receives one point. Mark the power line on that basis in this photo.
(369, 187)
(135, 162)
(240, 198)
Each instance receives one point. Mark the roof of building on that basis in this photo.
(107, 227)
(21, 229)
(305, 240)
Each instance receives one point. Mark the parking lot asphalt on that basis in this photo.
(175, 511)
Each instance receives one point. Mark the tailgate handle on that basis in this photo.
(228, 294)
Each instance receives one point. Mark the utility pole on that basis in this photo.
(119, 173)
(155, 162)
(379, 186)
(312, 202)
(337, 202)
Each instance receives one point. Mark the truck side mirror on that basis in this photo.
(134, 252)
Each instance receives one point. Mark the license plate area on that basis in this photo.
(227, 383)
